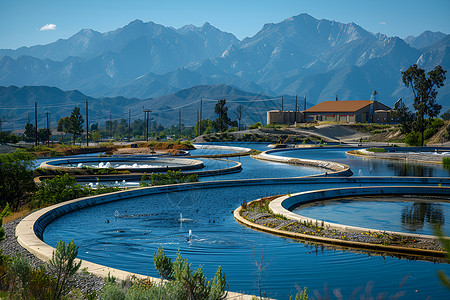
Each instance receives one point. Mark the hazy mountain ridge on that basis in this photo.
(298, 55)
(165, 109)
(425, 39)
(88, 43)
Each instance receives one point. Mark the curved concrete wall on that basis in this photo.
(283, 205)
(30, 230)
(222, 147)
(336, 169)
(169, 163)
(137, 176)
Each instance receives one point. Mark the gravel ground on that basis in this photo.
(83, 281)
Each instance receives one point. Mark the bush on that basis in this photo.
(40, 284)
(63, 260)
(437, 123)
(429, 132)
(446, 162)
(255, 126)
(65, 187)
(3, 214)
(184, 283)
(413, 139)
(112, 292)
(16, 178)
(171, 177)
(58, 189)
(19, 270)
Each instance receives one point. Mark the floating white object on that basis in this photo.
(116, 213)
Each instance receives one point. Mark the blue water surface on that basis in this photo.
(145, 223)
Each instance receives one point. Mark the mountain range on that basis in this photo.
(18, 104)
(300, 55)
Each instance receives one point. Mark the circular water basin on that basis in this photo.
(412, 214)
(367, 166)
(131, 237)
(131, 163)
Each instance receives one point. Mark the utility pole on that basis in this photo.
(87, 125)
(282, 100)
(305, 103)
(295, 116)
(147, 117)
(35, 124)
(129, 123)
(145, 123)
(48, 133)
(197, 126)
(200, 124)
(110, 126)
(179, 123)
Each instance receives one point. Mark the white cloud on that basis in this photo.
(48, 27)
(382, 23)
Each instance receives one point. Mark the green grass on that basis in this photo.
(376, 150)
(446, 162)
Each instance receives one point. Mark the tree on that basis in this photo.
(95, 136)
(406, 117)
(238, 113)
(206, 126)
(446, 116)
(424, 90)
(30, 132)
(43, 134)
(63, 126)
(222, 121)
(16, 178)
(3, 213)
(76, 123)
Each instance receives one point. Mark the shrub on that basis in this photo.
(19, 270)
(429, 132)
(413, 139)
(63, 260)
(58, 189)
(184, 283)
(3, 213)
(40, 284)
(437, 123)
(446, 162)
(65, 187)
(16, 178)
(112, 292)
(171, 177)
(256, 125)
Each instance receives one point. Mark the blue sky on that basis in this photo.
(22, 22)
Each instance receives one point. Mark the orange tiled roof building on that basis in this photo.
(355, 111)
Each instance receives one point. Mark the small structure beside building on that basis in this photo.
(355, 111)
(284, 117)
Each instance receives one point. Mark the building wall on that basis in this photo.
(283, 117)
(381, 114)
